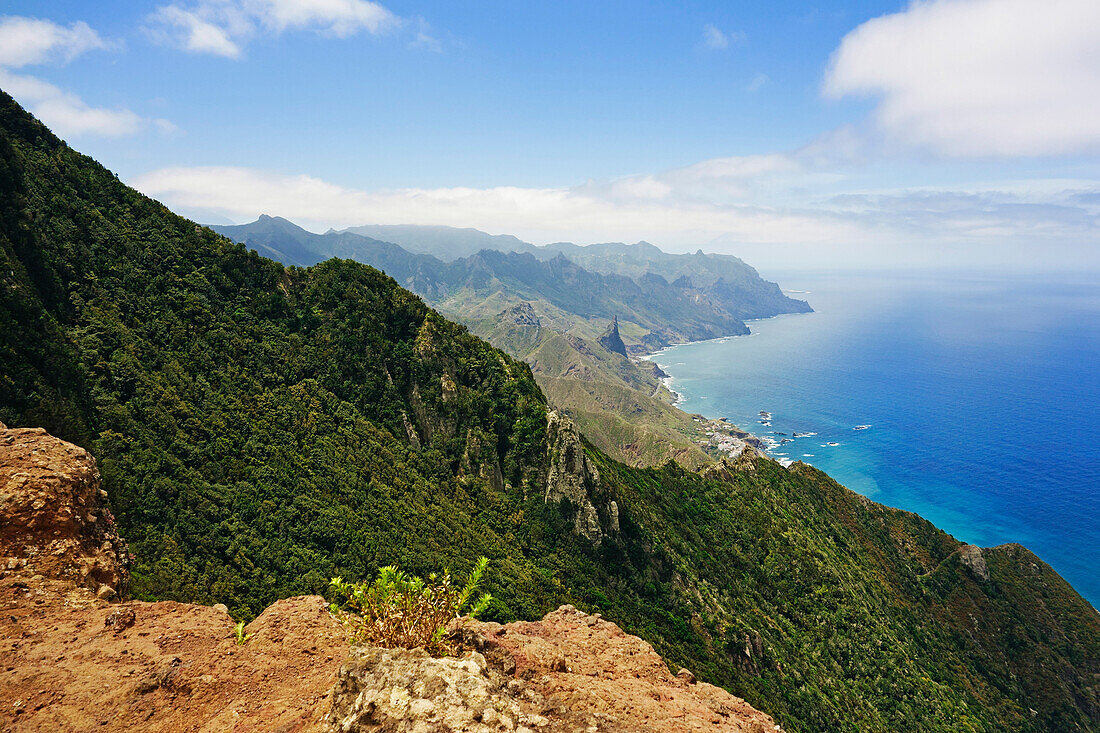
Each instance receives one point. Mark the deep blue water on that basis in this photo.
(982, 393)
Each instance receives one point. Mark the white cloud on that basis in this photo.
(193, 33)
(65, 113)
(715, 38)
(31, 41)
(221, 27)
(980, 77)
(424, 39)
(28, 41)
(740, 178)
(342, 18)
(546, 214)
(757, 82)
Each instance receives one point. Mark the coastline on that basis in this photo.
(1025, 496)
(732, 449)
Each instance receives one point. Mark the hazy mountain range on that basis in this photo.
(659, 298)
(540, 304)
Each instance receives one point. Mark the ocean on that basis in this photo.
(980, 397)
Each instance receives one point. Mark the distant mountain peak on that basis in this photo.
(276, 219)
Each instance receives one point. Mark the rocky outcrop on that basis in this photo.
(480, 459)
(521, 314)
(76, 663)
(54, 519)
(971, 556)
(407, 690)
(611, 340)
(571, 476)
(568, 672)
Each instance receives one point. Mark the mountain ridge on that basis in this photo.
(664, 308)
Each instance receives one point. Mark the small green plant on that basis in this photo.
(401, 610)
(241, 636)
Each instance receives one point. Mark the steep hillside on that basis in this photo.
(79, 656)
(620, 404)
(261, 429)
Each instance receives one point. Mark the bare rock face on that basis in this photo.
(54, 519)
(568, 672)
(971, 556)
(480, 459)
(571, 476)
(406, 690)
(75, 663)
(521, 314)
(611, 340)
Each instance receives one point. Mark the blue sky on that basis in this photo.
(957, 132)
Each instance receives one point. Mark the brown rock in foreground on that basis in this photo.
(72, 661)
(79, 664)
(54, 519)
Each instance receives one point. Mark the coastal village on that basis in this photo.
(720, 437)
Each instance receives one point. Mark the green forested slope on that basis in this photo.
(621, 405)
(244, 415)
(260, 429)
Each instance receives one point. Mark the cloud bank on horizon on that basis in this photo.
(997, 86)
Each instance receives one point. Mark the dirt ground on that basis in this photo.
(72, 662)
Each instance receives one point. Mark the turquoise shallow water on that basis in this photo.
(982, 393)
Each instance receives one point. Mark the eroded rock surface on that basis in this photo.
(406, 690)
(54, 519)
(971, 556)
(571, 476)
(76, 663)
(72, 661)
(568, 672)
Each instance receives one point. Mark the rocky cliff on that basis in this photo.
(572, 479)
(80, 656)
(55, 519)
(567, 672)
